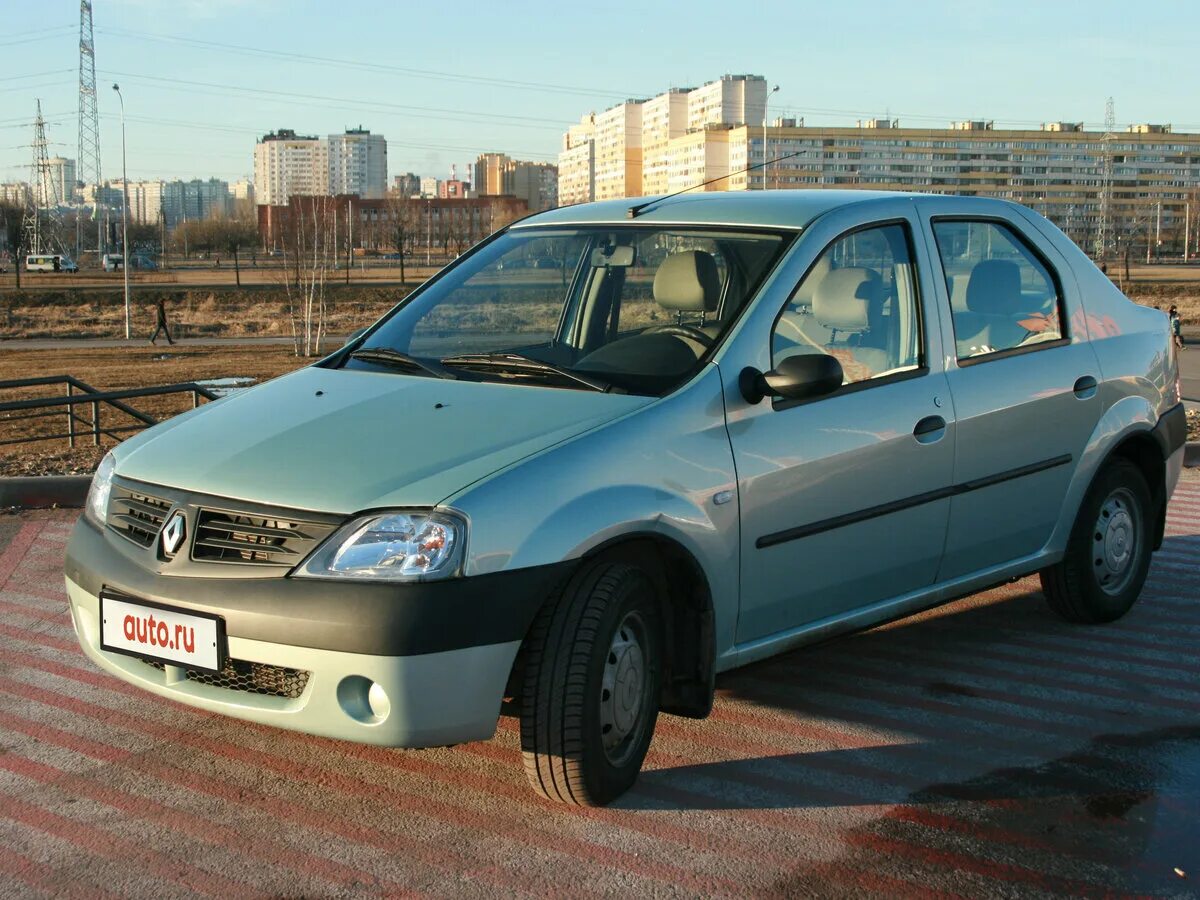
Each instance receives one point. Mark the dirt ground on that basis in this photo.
(115, 369)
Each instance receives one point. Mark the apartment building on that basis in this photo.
(577, 163)
(56, 184)
(498, 175)
(730, 100)
(357, 164)
(663, 117)
(618, 151)
(286, 163)
(625, 151)
(166, 202)
(15, 192)
(145, 199)
(1057, 170)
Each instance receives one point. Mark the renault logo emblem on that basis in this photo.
(173, 533)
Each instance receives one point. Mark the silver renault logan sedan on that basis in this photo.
(621, 447)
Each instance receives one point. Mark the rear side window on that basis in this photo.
(1002, 295)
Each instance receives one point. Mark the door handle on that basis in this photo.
(930, 429)
(1085, 387)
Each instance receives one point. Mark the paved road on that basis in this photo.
(1189, 367)
(984, 749)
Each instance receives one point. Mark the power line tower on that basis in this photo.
(1104, 229)
(88, 164)
(43, 195)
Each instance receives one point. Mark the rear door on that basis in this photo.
(1024, 384)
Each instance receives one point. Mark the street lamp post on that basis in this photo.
(766, 157)
(124, 215)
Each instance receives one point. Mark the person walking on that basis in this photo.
(160, 322)
(1176, 327)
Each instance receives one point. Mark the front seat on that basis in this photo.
(688, 281)
(993, 300)
(843, 303)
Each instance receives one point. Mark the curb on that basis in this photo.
(1191, 454)
(41, 491)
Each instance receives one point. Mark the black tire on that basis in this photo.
(569, 654)
(1083, 587)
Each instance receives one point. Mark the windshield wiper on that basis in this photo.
(386, 356)
(518, 363)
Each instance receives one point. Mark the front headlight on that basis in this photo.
(394, 546)
(97, 498)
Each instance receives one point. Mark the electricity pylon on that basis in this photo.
(88, 163)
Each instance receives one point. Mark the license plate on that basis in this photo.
(150, 631)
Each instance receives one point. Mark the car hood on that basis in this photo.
(340, 441)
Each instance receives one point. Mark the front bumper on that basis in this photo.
(432, 699)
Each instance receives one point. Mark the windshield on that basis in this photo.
(625, 308)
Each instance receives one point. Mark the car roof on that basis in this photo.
(792, 209)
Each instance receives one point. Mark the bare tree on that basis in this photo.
(404, 224)
(309, 251)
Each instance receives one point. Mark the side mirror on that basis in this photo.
(799, 377)
(354, 336)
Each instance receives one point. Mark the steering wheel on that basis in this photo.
(687, 331)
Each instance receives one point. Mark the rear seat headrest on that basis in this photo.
(688, 281)
(844, 297)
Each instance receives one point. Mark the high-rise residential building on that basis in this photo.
(577, 163)
(56, 186)
(242, 189)
(730, 100)
(663, 117)
(189, 201)
(1057, 170)
(619, 151)
(15, 192)
(626, 151)
(287, 164)
(698, 157)
(489, 174)
(407, 185)
(145, 199)
(357, 164)
(498, 175)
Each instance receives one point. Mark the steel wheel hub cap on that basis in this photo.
(622, 688)
(1114, 542)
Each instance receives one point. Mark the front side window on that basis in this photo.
(1002, 296)
(623, 308)
(857, 303)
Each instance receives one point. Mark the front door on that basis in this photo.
(844, 499)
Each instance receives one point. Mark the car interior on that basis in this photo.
(856, 304)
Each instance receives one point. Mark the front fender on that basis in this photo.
(1131, 415)
(657, 472)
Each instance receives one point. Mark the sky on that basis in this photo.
(203, 79)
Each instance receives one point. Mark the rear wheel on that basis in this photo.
(590, 688)
(1108, 555)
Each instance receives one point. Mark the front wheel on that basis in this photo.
(1108, 555)
(590, 692)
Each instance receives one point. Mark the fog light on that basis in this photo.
(363, 700)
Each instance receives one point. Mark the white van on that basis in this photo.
(50, 262)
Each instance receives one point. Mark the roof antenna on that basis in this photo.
(634, 211)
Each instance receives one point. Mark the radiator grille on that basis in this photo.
(250, 678)
(254, 540)
(137, 516)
